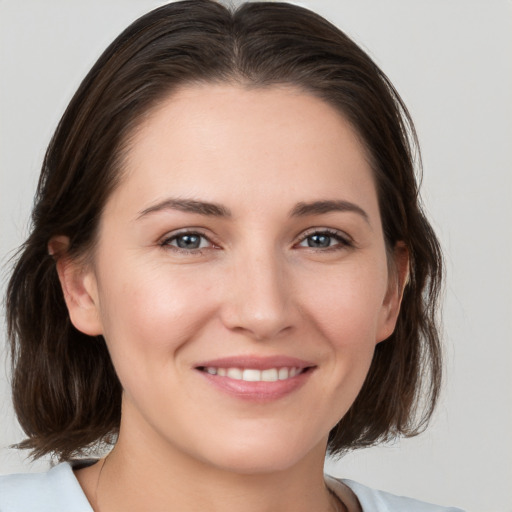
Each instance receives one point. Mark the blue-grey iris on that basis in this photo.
(319, 240)
(188, 241)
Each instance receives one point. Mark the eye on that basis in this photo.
(187, 242)
(325, 239)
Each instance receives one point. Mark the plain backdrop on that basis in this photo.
(451, 61)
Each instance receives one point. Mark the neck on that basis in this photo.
(137, 476)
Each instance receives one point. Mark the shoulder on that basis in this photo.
(372, 500)
(57, 490)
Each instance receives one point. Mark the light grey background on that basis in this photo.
(452, 62)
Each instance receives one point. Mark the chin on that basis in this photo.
(275, 455)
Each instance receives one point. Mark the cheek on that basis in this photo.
(152, 314)
(347, 306)
(346, 311)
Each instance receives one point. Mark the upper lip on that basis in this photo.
(255, 362)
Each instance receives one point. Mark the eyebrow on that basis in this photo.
(301, 209)
(320, 207)
(190, 206)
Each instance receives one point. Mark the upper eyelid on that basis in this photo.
(184, 231)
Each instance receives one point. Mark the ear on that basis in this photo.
(79, 287)
(397, 281)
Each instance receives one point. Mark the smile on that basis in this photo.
(256, 379)
(255, 375)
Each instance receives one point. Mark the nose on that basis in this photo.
(259, 297)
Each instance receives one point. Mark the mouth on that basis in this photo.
(255, 378)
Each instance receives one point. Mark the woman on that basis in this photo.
(228, 273)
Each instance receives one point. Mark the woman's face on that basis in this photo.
(240, 277)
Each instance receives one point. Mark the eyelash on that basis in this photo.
(166, 242)
(344, 241)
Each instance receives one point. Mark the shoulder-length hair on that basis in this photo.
(66, 393)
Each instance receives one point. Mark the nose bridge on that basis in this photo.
(259, 292)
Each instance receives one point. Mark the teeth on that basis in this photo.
(253, 375)
(284, 373)
(234, 373)
(269, 375)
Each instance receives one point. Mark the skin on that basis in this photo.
(255, 287)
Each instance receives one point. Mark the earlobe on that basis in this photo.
(398, 279)
(79, 287)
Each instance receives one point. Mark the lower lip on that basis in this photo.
(258, 391)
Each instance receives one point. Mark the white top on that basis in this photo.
(58, 490)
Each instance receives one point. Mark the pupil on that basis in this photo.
(319, 241)
(188, 241)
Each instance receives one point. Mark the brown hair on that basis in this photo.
(66, 393)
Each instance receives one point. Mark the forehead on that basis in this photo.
(230, 141)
